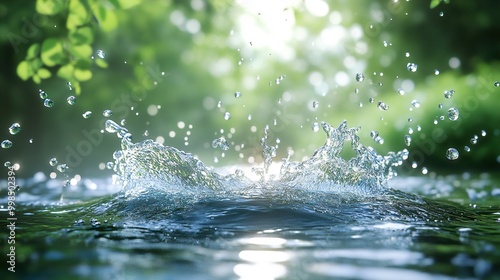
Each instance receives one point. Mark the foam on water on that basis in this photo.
(149, 166)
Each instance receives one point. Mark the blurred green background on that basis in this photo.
(166, 65)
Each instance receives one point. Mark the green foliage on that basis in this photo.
(435, 3)
(71, 51)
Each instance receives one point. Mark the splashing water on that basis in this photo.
(150, 166)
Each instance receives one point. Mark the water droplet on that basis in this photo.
(414, 165)
(87, 114)
(382, 106)
(70, 86)
(407, 54)
(360, 77)
(483, 133)
(410, 119)
(123, 122)
(7, 164)
(107, 113)
(436, 72)
(6, 144)
(448, 93)
(249, 117)
(221, 143)
(315, 104)
(415, 103)
(14, 128)
(109, 165)
(452, 154)
(71, 100)
(146, 133)
(227, 116)
(440, 106)
(373, 134)
(496, 84)
(101, 54)
(467, 148)
(371, 100)
(42, 94)
(53, 161)
(219, 104)
(473, 140)
(62, 168)
(410, 130)
(379, 140)
(315, 127)
(407, 140)
(453, 114)
(48, 103)
(441, 14)
(401, 92)
(237, 94)
(412, 67)
(424, 170)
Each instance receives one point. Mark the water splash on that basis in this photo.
(150, 166)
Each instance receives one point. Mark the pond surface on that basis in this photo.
(417, 228)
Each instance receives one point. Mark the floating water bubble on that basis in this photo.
(440, 106)
(467, 148)
(410, 130)
(441, 14)
(315, 104)
(107, 113)
(483, 133)
(496, 84)
(221, 143)
(71, 100)
(436, 72)
(70, 86)
(415, 103)
(453, 114)
(227, 116)
(237, 94)
(42, 94)
(473, 140)
(14, 128)
(123, 122)
(146, 133)
(410, 119)
(62, 168)
(414, 165)
(441, 118)
(373, 134)
(6, 144)
(452, 154)
(53, 162)
(87, 114)
(219, 104)
(424, 170)
(412, 67)
(401, 91)
(419, 128)
(371, 100)
(110, 165)
(407, 54)
(101, 54)
(382, 106)
(360, 77)
(48, 103)
(7, 164)
(379, 140)
(407, 140)
(315, 127)
(449, 93)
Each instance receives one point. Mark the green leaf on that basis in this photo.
(125, 4)
(36, 64)
(33, 51)
(77, 87)
(101, 63)
(107, 18)
(80, 51)
(36, 79)
(435, 3)
(82, 70)
(80, 36)
(52, 52)
(43, 73)
(66, 72)
(78, 15)
(24, 70)
(49, 7)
